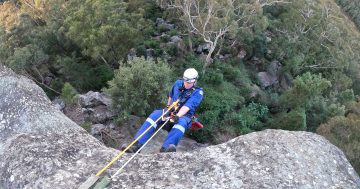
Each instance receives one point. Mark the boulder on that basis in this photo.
(59, 103)
(162, 24)
(274, 68)
(96, 129)
(271, 76)
(267, 80)
(175, 39)
(203, 48)
(92, 99)
(99, 114)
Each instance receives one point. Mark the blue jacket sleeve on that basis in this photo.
(194, 100)
(175, 86)
(171, 92)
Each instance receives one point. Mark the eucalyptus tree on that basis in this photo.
(104, 30)
(213, 19)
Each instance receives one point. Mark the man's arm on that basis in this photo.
(168, 102)
(183, 110)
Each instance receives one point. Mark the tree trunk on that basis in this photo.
(208, 59)
(190, 42)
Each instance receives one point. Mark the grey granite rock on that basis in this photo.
(42, 148)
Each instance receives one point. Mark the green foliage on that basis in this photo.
(344, 97)
(320, 109)
(305, 88)
(344, 132)
(312, 41)
(171, 50)
(149, 9)
(214, 77)
(352, 8)
(98, 27)
(294, 120)
(69, 94)
(28, 58)
(84, 76)
(249, 118)
(152, 44)
(140, 86)
(250, 31)
(211, 124)
(218, 101)
(86, 125)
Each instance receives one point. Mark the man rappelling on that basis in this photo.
(189, 96)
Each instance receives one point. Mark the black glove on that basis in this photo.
(174, 119)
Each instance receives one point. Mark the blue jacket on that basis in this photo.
(193, 100)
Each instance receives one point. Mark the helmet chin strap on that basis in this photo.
(193, 86)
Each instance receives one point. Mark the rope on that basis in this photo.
(174, 104)
(132, 157)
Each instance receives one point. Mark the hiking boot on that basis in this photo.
(171, 148)
(134, 148)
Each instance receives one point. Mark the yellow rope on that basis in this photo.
(174, 104)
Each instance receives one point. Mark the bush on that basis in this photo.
(319, 110)
(306, 87)
(218, 101)
(171, 50)
(69, 94)
(83, 76)
(344, 132)
(213, 77)
(248, 119)
(140, 86)
(295, 120)
(152, 44)
(86, 125)
(211, 123)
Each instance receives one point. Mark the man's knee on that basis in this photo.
(179, 127)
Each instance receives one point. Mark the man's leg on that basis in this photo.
(177, 132)
(149, 121)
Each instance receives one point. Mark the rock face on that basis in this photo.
(42, 148)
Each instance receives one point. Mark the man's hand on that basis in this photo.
(174, 119)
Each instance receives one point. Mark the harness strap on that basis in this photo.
(183, 100)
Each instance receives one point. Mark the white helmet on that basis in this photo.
(190, 75)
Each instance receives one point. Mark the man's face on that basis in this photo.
(188, 85)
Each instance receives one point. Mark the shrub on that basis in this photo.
(214, 77)
(319, 110)
(171, 50)
(69, 94)
(295, 120)
(152, 44)
(249, 117)
(140, 86)
(83, 76)
(305, 88)
(86, 125)
(344, 132)
(211, 123)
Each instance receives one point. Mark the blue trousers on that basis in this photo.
(175, 134)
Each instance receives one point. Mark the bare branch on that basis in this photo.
(270, 2)
(40, 83)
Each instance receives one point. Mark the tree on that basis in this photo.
(306, 87)
(344, 132)
(213, 19)
(209, 19)
(103, 29)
